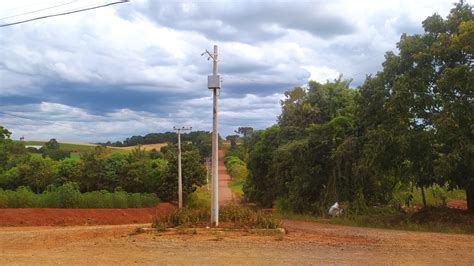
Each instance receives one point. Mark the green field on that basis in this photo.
(75, 156)
(114, 151)
(76, 149)
(61, 145)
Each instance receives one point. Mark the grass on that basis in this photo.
(69, 146)
(236, 216)
(239, 172)
(115, 151)
(435, 195)
(78, 148)
(75, 156)
(201, 198)
(431, 219)
(237, 186)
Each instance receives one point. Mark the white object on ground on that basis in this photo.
(335, 210)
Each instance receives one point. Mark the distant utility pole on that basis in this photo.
(214, 84)
(180, 178)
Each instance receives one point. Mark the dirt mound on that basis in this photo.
(64, 217)
(458, 204)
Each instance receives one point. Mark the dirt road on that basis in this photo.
(225, 193)
(306, 243)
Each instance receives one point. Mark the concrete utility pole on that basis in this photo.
(214, 84)
(208, 165)
(180, 177)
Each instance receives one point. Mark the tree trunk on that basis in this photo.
(470, 198)
(423, 196)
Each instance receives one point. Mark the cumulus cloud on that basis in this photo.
(137, 68)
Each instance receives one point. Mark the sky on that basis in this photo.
(136, 68)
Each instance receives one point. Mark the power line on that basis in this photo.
(39, 10)
(64, 13)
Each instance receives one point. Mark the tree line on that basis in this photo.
(196, 137)
(412, 123)
(139, 171)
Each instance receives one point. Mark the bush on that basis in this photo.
(69, 196)
(283, 205)
(238, 171)
(358, 205)
(237, 215)
(23, 197)
(199, 199)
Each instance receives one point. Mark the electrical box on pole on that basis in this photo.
(214, 82)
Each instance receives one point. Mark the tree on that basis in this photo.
(259, 188)
(52, 144)
(428, 105)
(307, 158)
(68, 171)
(194, 175)
(38, 173)
(233, 141)
(246, 133)
(136, 172)
(91, 168)
(453, 53)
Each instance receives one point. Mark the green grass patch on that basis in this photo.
(37, 155)
(35, 143)
(75, 146)
(117, 151)
(199, 199)
(238, 171)
(436, 195)
(237, 186)
(61, 145)
(75, 156)
(431, 219)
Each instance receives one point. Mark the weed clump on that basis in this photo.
(236, 216)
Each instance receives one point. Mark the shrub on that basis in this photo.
(283, 205)
(358, 205)
(237, 215)
(199, 199)
(239, 172)
(69, 196)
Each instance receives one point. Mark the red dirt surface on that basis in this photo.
(458, 204)
(226, 196)
(64, 217)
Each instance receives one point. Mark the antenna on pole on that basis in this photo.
(214, 84)
(180, 177)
